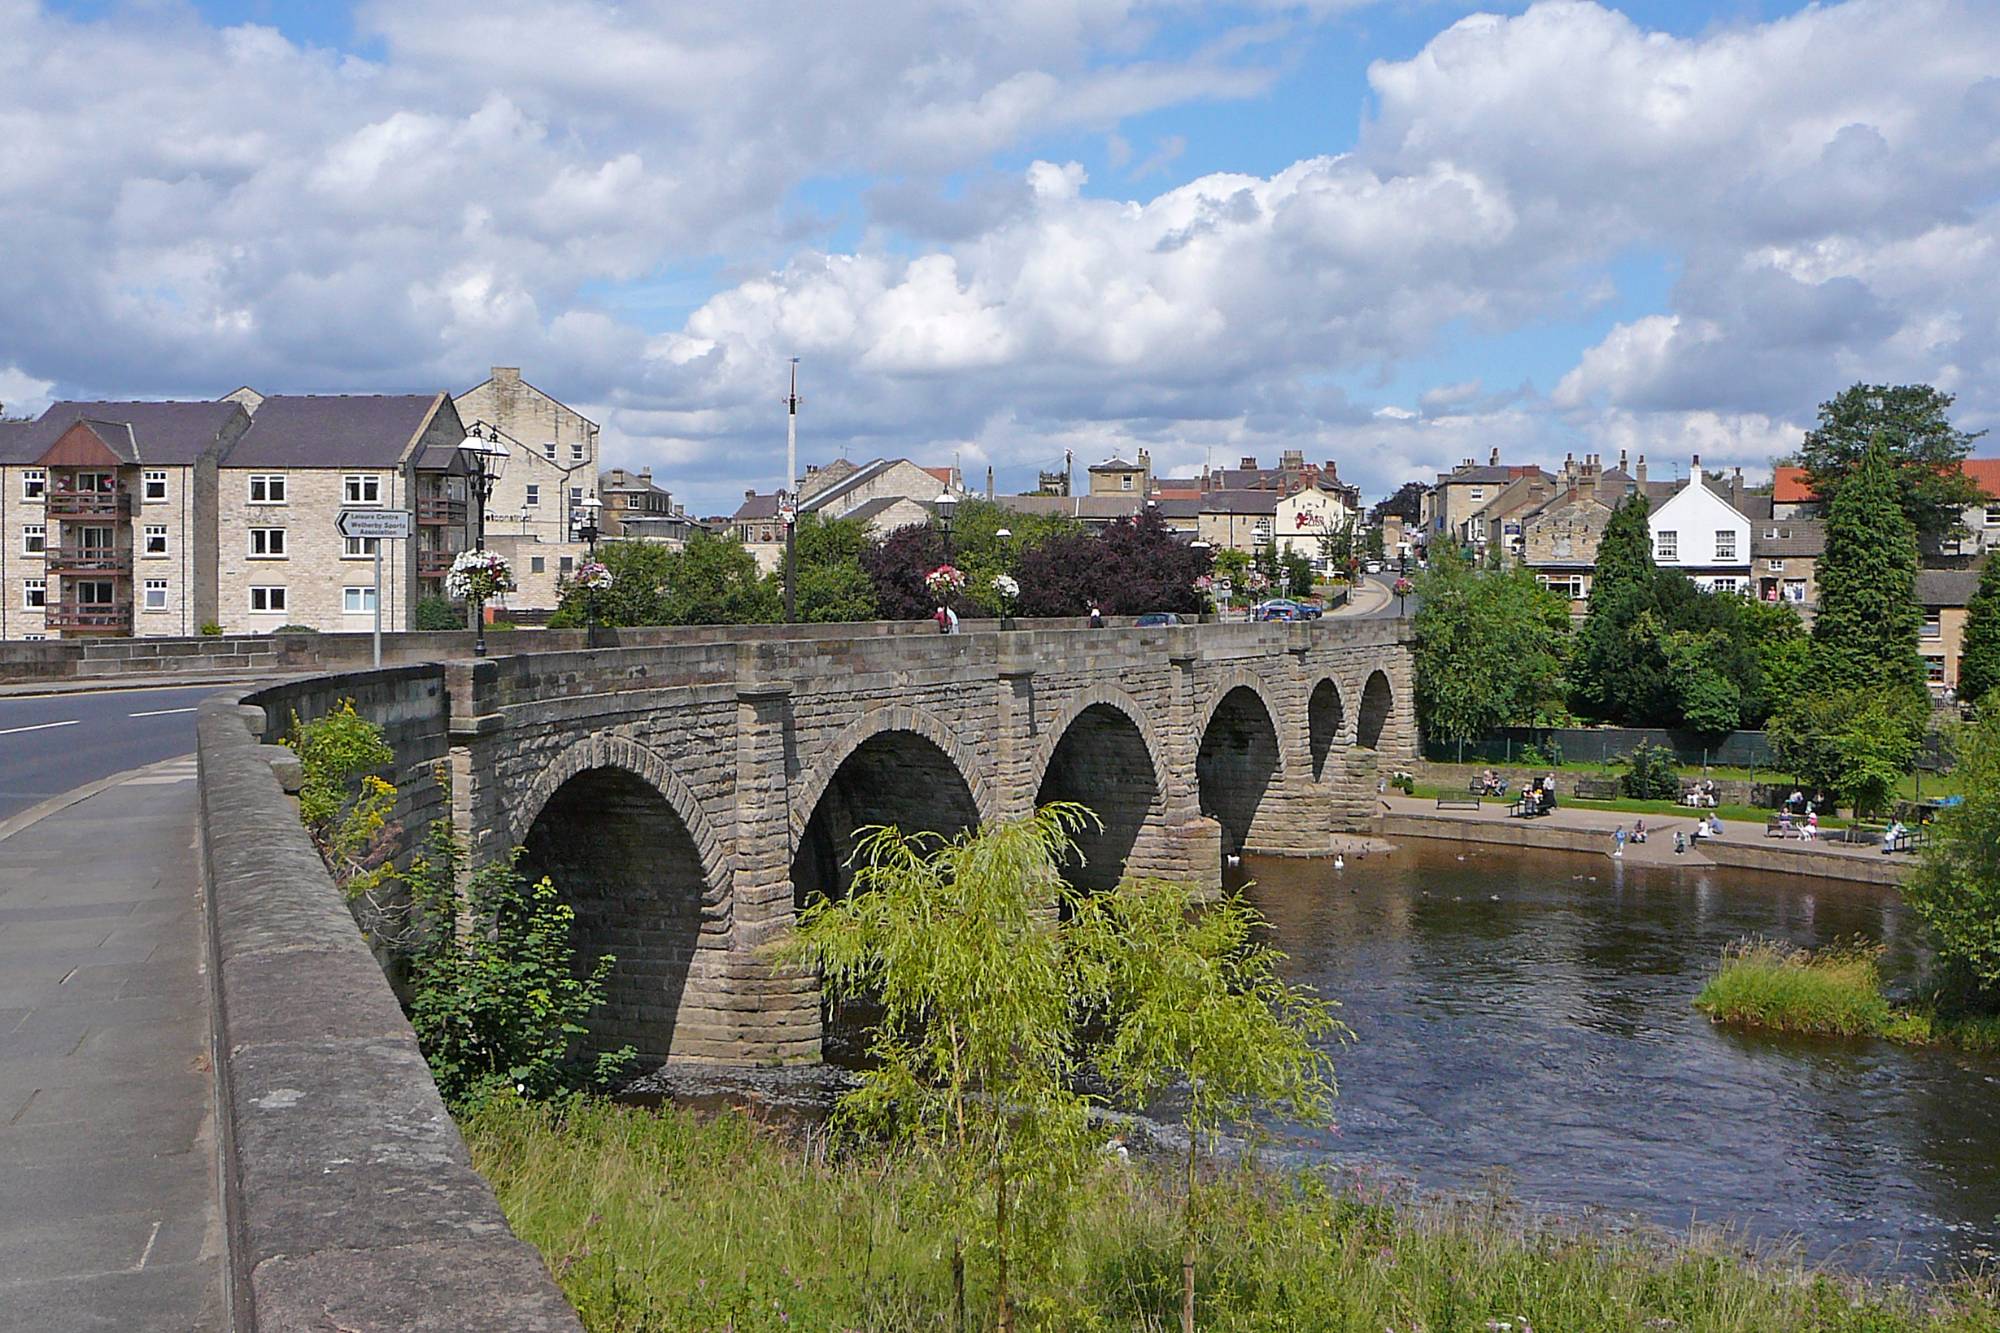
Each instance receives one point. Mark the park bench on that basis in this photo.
(1520, 810)
(1597, 789)
(1458, 803)
(1909, 840)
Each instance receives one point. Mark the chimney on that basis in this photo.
(1493, 460)
(749, 494)
(508, 375)
(1736, 490)
(989, 479)
(1621, 461)
(1640, 475)
(1249, 465)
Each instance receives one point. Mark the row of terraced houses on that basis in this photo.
(1757, 541)
(169, 518)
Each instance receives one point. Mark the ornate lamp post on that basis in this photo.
(947, 505)
(487, 458)
(587, 533)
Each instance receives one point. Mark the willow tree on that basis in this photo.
(973, 1057)
(1192, 997)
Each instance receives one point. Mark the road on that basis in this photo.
(50, 743)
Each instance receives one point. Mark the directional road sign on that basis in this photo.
(393, 524)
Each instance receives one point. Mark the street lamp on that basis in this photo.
(487, 458)
(947, 505)
(587, 533)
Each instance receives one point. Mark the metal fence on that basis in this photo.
(1598, 745)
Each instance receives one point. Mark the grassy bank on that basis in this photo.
(664, 1221)
(1665, 810)
(1835, 991)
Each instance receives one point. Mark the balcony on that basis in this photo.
(103, 617)
(90, 504)
(440, 509)
(434, 564)
(90, 560)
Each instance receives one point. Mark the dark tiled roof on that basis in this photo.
(332, 430)
(1240, 502)
(165, 433)
(1796, 536)
(1114, 465)
(115, 436)
(756, 506)
(1947, 587)
(1090, 507)
(13, 437)
(868, 510)
(1177, 507)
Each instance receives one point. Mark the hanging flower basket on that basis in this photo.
(1403, 587)
(594, 575)
(944, 581)
(477, 576)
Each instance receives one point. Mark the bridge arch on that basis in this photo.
(1103, 752)
(1325, 715)
(1240, 758)
(897, 765)
(1378, 700)
(627, 844)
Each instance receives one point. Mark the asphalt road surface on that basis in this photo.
(50, 743)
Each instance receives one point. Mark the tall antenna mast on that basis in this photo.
(788, 500)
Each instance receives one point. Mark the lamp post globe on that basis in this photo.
(486, 459)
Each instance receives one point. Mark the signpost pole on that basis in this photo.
(378, 526)
(378, 604)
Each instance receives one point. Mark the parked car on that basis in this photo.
(1373, 566)
(1153, 618)
(1278, 608)
(1312, 610)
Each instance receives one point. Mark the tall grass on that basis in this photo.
(666, 1221)
(1835, 991)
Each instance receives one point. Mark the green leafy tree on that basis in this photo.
(1865, 634)
(637, 595)
(1193, 997)
(714, 581)
(1337, 545)
(1233, 565)
(1298, 574)
(431, 613)
(1955, 891)
(833, 586)
(1856, 743)
(1490, 649)
(1784, 656)
(1616, 672)
(1979, 653)
(973, 1061)
(1924, 451)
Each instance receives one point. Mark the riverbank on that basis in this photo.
(1582, 827)
(666, 1220)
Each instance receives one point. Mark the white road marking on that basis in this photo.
(41, 726)
(161, 712)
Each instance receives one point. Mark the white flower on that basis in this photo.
(478, 574)
(1006, 586)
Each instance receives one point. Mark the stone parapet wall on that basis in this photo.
(349, 1199)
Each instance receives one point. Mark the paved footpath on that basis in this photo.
(108, 1210)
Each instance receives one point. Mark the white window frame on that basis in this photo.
(358, 548)
(1774, 566)
(1722, 583)
(1933, 627)
(358, 601)
(1725, 544)
(549, 450)
(531, 495)
(1667, 544)
(150, 478)
(355, 488)
(272, 484)
(29, 589)
(537, 564)
(575, 496)
(575, 452)
(34, 539)
(151, 531)
(151, 587)
(280, 550)
(34, 483)
(1934, 670)
(273, 606)
(1125, 482)
(1993, 516)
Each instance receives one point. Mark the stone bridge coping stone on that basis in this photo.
(349, 1198)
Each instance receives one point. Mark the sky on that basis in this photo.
(1392, 234)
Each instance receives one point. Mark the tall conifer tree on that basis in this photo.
(1865, 635)
(1614, 675)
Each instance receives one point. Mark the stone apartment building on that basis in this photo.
(635, 509)
(1945, 595)
(1117, 476)
(283, 484)
(107, 518)
(839, 490)
(538, 500)
(1447, 508)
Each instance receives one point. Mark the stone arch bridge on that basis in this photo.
(689, 796)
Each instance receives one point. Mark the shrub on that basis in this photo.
(1955, 891)
(211, 630)
(343, 803)
(438, 613)
(295, 629)
(1834, 991)
(1652, 776)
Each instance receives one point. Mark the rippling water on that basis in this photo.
(1529, 1014)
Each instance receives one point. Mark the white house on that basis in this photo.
(1313, 509)
(1701, 534)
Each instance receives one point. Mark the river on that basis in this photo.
(1525, 1017)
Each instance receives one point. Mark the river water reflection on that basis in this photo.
(1529, 1013)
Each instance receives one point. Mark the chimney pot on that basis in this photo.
(1494, 458)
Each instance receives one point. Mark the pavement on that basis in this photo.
(107, 1149)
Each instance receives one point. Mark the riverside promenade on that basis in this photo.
(1577, 828)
